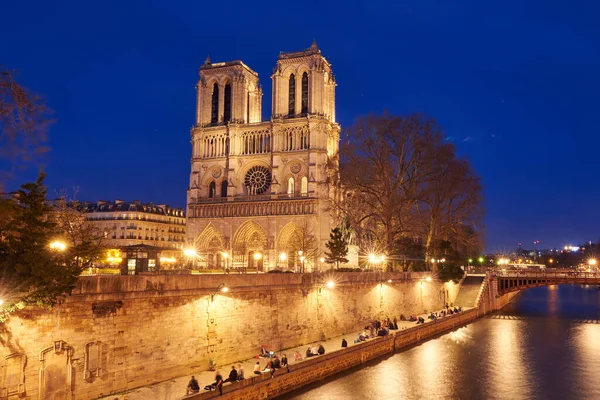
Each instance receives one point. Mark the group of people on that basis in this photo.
(236, 374)
(315, 350)
(273, 364)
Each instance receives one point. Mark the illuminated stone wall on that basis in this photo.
(121, 332)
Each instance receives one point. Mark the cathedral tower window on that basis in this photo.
(304, 186)
(305, 93)
(292, 96)
(227, 106)
(214, 111)
(290, 189)
(212, 188)
(224, 188)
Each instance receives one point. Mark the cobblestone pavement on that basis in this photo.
(174, 389)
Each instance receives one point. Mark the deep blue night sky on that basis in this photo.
(515, 84)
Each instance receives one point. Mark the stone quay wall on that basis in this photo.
(310, 371)
(120, 332)
(317, 369)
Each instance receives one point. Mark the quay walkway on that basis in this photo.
(174, 389)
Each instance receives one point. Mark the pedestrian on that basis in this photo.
(192, 386)
(321, 349)
(257, 368)
(219, 382)
(344, 343)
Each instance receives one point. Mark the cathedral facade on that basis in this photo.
(259, 193)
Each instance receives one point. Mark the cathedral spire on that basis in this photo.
(314, 44)
(207, 61)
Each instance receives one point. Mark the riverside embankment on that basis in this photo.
(316, 369)
(116, 333)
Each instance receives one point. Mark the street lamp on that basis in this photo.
(190, 254)
(329, 285)
(221, 288)
(58, 245)
(226, 257)
(302, 258)
(322, 261)
(282, 258)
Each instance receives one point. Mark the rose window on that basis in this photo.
(258, 180)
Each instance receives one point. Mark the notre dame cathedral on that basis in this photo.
(259, 193)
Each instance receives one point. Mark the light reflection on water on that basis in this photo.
(545, 353)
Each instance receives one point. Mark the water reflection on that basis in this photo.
(546, 352)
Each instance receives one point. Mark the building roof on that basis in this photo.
(136, 206)
(210, 65)
(313, 49)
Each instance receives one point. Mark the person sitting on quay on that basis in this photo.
(297, 356)
(344, 343)
(257, 368)
(383, 331)
(321, 349)
(264, 353)
(309, 352)
(240, 373)
(395, 324)
(192, 386)
(268, 366)
(413, 318)
(218, 383)
(284, 363)
(276, 363)
(232, 375)
(315, 350)
(420, 321)
(432, 316)
(403, 318)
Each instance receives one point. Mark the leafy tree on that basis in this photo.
(31, 272)
(338, 248)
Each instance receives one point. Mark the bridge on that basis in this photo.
(509, 281)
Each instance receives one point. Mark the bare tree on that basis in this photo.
(400, 182)
(24, 120)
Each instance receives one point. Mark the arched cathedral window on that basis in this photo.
(292, 96)
(304, 185)
(304, 93)
(227, 106)
(214, 111)
(224, 188)
(290, 189)
(212, 188)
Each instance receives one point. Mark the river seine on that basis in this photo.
(544, 345)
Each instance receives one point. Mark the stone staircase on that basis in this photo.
(469, 290)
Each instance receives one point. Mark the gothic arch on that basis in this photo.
(210, 235)
(289, 243)
(210, 246)
(249, 239)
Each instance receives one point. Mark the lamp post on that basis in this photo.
(257, 256)
(190, 255)
(58, 245)
(221, 288)
(282, 258)
(321, 261)
(226, 257)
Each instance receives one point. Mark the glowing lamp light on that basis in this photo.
(283, 256)
(330, 284)
(1, 302)
(322, 259)
(58, 245)
(592, 261)
(257, 256)
(189, 252)
(382, 258)
(372, 258)
(389, 281)
(480, 259)
(428, 279)
(224, 289)
(224, 254)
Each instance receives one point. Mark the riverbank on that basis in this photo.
(333, 362)
(174, 389)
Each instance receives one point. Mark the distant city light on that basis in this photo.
(330, 284)
(189, 252)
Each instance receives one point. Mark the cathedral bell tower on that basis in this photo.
(303, 84)
(227, 92)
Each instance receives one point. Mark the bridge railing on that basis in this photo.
(545, 274)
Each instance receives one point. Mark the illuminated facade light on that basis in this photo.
(58, 245)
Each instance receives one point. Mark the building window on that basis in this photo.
(305, 93)
(131, 267)
(290, 189)
(212, 189)
(224, 188)
(151, 265)
(227, 106)
(214, 112)
(292, 96)
(304, 185)
(93, 358)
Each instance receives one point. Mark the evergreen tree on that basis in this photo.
(30, 271)
(338, 248)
